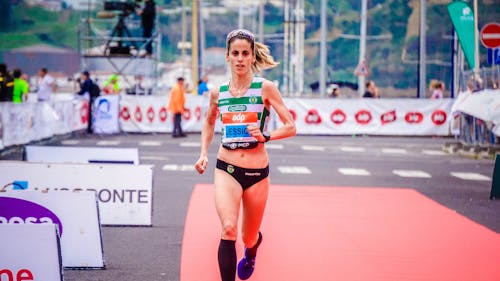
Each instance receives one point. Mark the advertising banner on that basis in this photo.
(150, 114)
(30, 252)
(72, 154)
(105, 115)
(371, 116)
(124, 192)
(462, 17)
(74, 213)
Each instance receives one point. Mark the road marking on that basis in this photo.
(411, 174)
(352, 149)
(175, 167)
(313, 148)
(470, 176)
(394, 150)
(190, 144)
(108, 142)
(152, 157)
(274, 146)
(150, 143)
(434, 152)
(70, 142)
(353, 172)
(294, 170)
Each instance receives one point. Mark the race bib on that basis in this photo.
(235, 126)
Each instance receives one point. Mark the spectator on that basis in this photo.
(21, 87)
(335, 91)
(90, 91)
(111, 86)
(46, 85)
(176, 106)
(371, 90)
(437, 91)
(6, 84)
(203, 86)
(148, 14)
(138, 88)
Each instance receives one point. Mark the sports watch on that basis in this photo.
(267, 136)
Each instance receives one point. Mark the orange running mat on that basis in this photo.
(316, 233)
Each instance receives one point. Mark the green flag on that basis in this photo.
(462, 18)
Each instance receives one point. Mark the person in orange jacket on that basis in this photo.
(176, 106)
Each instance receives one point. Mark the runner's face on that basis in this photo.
(240, 56)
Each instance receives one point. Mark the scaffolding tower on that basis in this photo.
(111, 42)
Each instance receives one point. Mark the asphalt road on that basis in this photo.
(153, 253)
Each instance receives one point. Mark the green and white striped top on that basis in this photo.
(238, 112)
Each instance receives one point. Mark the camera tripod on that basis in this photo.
(120, 30)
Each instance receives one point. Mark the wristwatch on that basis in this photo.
(267, 136)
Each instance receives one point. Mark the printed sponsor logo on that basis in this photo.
(187, 114)
(438, 117)
(414, 117)
(363, 117)
(125, 113)
(103, 108)
(313, 117)
(338, 116)
(255, 174)
(237, 108)
(388, 117)
(163, 114)
(294, 114)
(138, 114)
(150, 114)
(84, 113)
(240, 117)
(197, 113)
(14, 210)
(22, 275)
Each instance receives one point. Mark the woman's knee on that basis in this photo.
(229, 230)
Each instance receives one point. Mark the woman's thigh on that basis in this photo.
(228, 194)
(254, 204)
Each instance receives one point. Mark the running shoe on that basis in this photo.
(247, 264)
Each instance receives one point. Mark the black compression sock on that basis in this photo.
(252, 252)
(227, 260)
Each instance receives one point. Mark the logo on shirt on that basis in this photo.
(239, 117)
(237, 108)
(253, 100)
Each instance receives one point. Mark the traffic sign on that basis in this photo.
(490, 35)
(361, 69)
(494, 56)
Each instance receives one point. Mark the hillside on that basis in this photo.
(392, 61)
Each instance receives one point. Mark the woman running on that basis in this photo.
(242, 168)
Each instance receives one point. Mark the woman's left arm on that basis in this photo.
(272, 97)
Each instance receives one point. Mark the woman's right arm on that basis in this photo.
(207, 132)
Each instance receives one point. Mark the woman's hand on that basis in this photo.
(255, 132)
(201, 164)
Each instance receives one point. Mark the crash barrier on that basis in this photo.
(30, 121)
(30, 252)
(72, 154)
(23, 123)
(477, 117)
(124, 192)
(75, 215)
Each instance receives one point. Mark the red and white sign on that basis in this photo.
(490, 35)
(361, 69)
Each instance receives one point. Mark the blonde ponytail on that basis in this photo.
(263, 58)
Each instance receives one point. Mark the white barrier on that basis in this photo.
(484, 105)
(71, 154)
(30, 252)
(124, 192)
(75, 214)
(312, 116)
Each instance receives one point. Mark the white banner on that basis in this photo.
(371, 116)
(150, 114)
(124, 192)
(484, 105)
(73, 154)
(75, 214)
(105, 115)
(30, 252)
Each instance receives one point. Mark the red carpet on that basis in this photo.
(316, 233)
